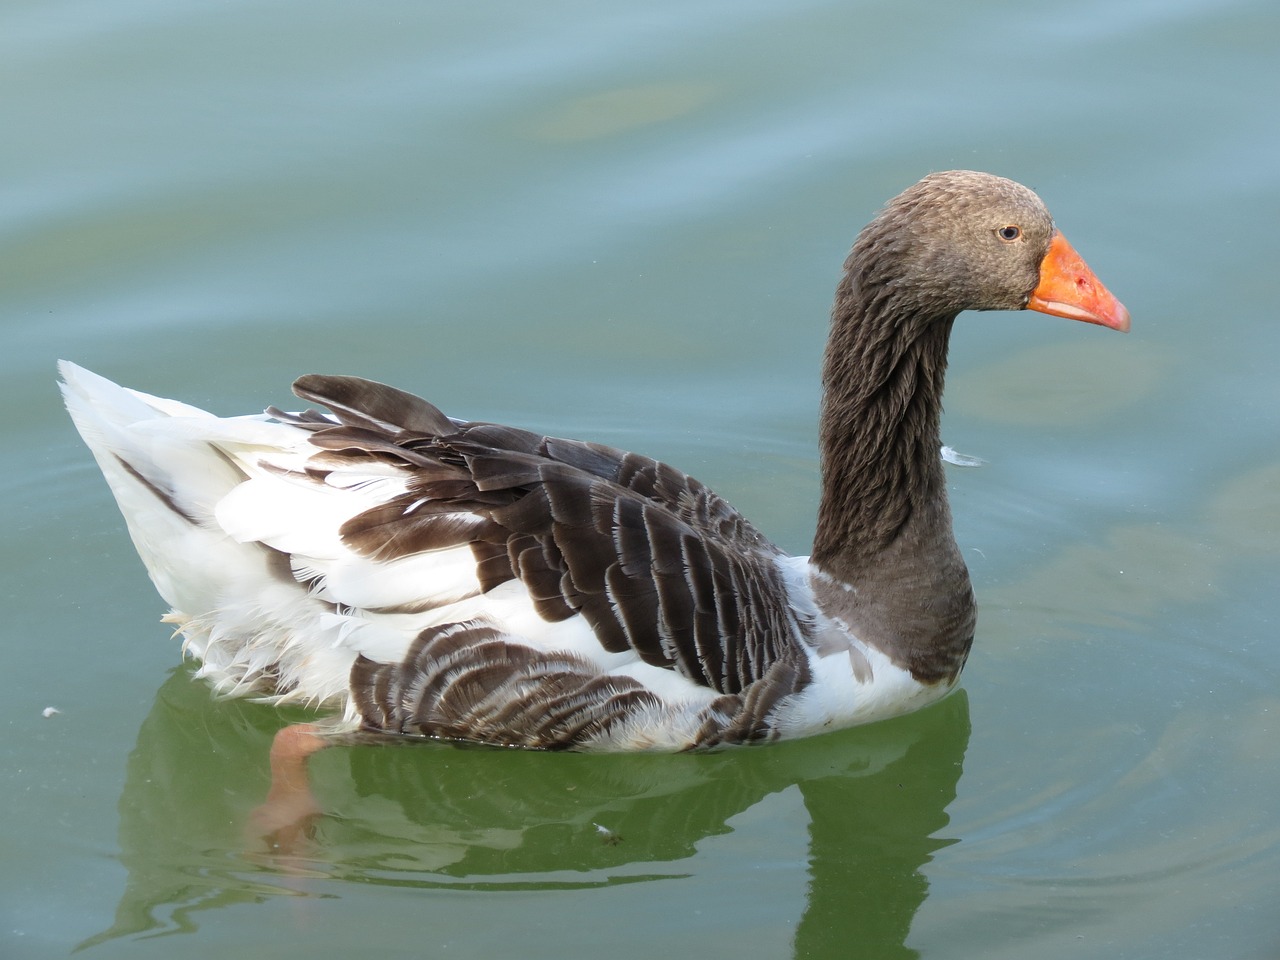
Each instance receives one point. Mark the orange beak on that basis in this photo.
(1069, 289)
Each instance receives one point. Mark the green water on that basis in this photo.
(624, 223)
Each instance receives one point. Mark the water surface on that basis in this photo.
(625, 224)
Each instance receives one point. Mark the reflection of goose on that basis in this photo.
(443, 578)
(495, 826)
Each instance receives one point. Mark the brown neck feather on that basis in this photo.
(884, 526)
(879, 433)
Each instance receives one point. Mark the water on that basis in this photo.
(625, 224)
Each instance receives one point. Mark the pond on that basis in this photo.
(625, 224)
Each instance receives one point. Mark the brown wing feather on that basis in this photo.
(652, 559)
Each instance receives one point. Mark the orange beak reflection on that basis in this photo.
(1069, 289)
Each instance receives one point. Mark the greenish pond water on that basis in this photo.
(624, 223)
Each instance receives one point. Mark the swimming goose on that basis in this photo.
(431, 577)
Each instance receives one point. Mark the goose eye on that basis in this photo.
(1009, 233)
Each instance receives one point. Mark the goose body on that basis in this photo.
(426, 576)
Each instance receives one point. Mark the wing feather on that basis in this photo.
(653, 560)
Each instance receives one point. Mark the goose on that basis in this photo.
(409, 574)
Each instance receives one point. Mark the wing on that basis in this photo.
(654, 561)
